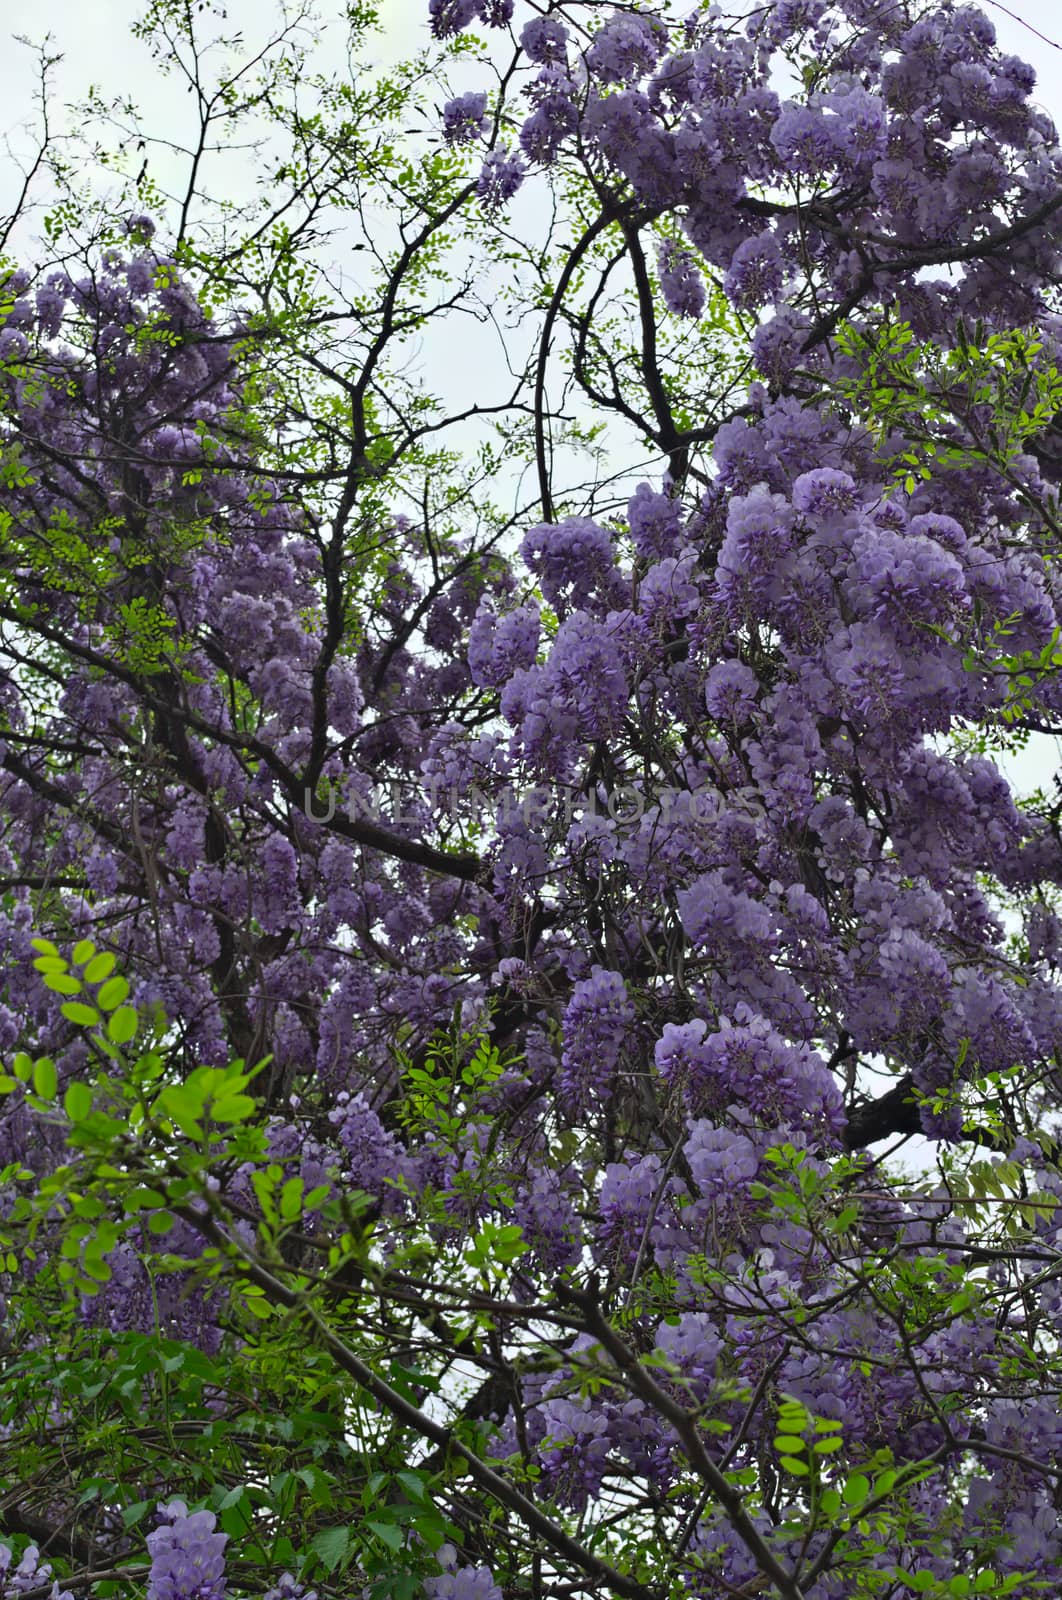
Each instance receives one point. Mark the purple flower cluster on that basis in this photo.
(749, 1064)
(30, 1573)
(575, 1450)
(499, 646)
(574, 562)
(500, 178)
(596, 1023)
(681, 283)
(756, 273)
(289, 1589)
(465, 119)
(453, 16)
(627, 46)
(545, 40)
(463, 1583)
(187, 1556)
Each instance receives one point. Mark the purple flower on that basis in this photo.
(748, 1063)
(373, 1155)
(586, 672)
(628, 46)
(777, 345)
(551, 1225)
(464, 118)
(187, 1556)
(756, 272)
(693, 1345)
(805, 140)
(499, 180)
(715, 914)
(907, 578)
(825, 493)
(740, 453)
(722, 1163)
(655, 523)
(31, 1573)
(545, 40)
(500, 646)
(451, 16)
(279, 905)
(574, 561)
(596, 1023)
(680, 281)
(575, 1449)
(289, 1589)
(463, 1583)
(860, 127)
(554, 118)
(730, 691)
(496, 13)
(759, 530)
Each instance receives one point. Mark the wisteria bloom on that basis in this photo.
(681, 283)
(500, 178)
(595, 1026)
(545, 40)
(187, 1556)
(756, 272)
(465, 119)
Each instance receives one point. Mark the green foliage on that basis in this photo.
(260, 1432)
(975, 400)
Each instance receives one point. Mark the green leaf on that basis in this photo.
(100, 967)
(45, 1078)
(77, 1101)
(62, 983)
(798, 1469)
(112, 993)
(76, 1011)
(856, 1489)
(788, 1445)
(123, 1025)
(331, 1546)
(50, 964)
(83, 951)
(388, 1532)
(45, 946)
(182, 1108)
(291, 1199)
(232, 1108)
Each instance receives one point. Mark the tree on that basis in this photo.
(460, 960)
